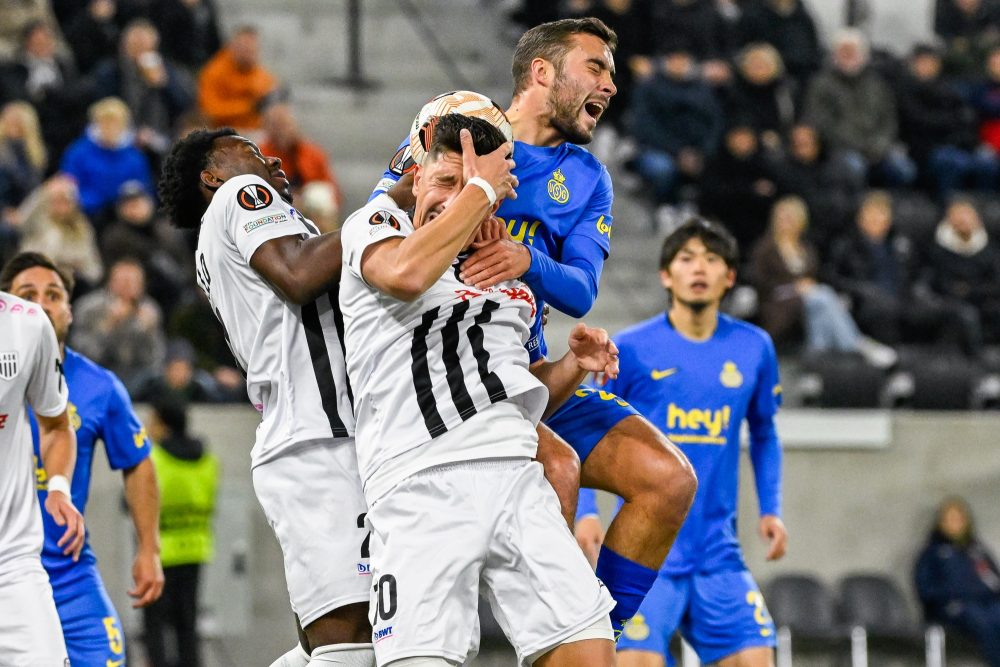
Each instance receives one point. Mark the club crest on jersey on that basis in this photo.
(637, 629)
(557, 187)
(730, 376)
(384, 218)
(8, 365)
(254, 197)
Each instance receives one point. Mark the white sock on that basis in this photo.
(345, 655)
(297, 657)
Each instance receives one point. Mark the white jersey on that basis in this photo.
(30, 370)
(423, 368)
(292, 356)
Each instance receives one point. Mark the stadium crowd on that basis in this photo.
(862, 187)
(92, 95)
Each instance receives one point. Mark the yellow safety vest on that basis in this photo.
(187, 502)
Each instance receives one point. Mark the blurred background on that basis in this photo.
(864, 132)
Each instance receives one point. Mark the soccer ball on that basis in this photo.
(464, 102)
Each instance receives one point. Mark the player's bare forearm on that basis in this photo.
(407, 268)
(142, 495)
(300, 269)
(143, 498)
(561, 378)
(57, 443)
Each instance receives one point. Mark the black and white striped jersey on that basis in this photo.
(422, 368)
(292, 356)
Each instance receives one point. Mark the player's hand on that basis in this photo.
(62, 510)
(494, 263)
(492, 229)
(147, 575)
(590, 537)
(773, 531)
(495, 168)
(594, 350)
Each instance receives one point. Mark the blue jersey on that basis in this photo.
(99, 409)
(699, 394)
(563, 214)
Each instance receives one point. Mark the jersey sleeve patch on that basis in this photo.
(384, 218)
(254, 197)
(266, 220)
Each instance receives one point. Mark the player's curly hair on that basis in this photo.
(180, 194)
(446, 135)
(716, 238)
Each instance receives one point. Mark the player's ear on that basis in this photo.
(210, 180)
(418, 174)
(542, 71)
(666, 281)
(730, 278)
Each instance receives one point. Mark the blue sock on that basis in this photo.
(627, 581)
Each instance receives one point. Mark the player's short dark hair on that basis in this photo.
(445, 135)
(180, 182)
(716, 238)
(29, 260)
(551, 41)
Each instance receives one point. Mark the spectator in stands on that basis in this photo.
(189, 478)
(877, 268)
(787, 26)
(738, 186)
(190, 30)
(818, 175)
(194, 320)
(92, 34)
(969, 28)
(41, 75)
(963, 266)
(16, 18)
(958, 580)
(183, 380)
(54, 225)
(105, 158)
(23, 157)
(156, 93)
(302, 160)
(120, 326)
(985, 97)
(761, 94)
(676, 122)
(234, 88)
(138, 232)
(693, 26)
(784, 268)
(939, 129)
(854, 110)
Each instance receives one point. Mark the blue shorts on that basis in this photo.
(90, 623)
(587, 417)
(719, 614)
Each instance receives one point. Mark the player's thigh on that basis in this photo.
(30, 633)
(727, 616)
(313, 500)
(647, 635)
(90, 623)
(538, 582)
(427, 550)
(758, 656)
(587, 417)
(591, 652)
(635, 458)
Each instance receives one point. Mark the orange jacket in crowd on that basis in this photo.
(230, 96)
(304, 163)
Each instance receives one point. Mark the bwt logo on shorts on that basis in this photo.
(364, 569)
(384, 633)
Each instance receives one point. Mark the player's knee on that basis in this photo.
(345, 625)
(666, 485)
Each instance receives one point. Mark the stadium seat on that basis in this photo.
(943, 383)
(804, 610)
(914, 214)
(842, 380)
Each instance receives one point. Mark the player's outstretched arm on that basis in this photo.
(57, 442)
(142, 495)
(591, 350)
(300, 269)
(405, 268)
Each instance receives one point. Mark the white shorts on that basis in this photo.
(444, 535)
(312, 497)
(30, 633)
